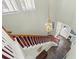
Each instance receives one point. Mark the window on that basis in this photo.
(17, 5)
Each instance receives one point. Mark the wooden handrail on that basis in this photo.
(27, 35)
(8, 31)
(27, 40)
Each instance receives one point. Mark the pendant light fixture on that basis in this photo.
(48, 25)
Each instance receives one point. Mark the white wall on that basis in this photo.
(65, 12)
(31, 22)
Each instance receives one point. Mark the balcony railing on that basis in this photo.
(30, 40)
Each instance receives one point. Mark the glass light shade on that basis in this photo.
(48, 27)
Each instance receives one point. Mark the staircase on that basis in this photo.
(25, 46)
